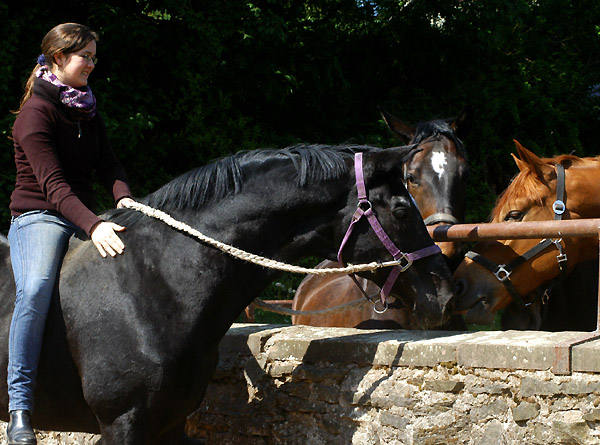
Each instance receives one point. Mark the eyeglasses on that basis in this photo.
(88, 58)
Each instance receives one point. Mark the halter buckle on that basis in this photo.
(403, 261)
(502, 273)
(559, 207)
(561, 257)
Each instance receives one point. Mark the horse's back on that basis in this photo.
(318, 292)
(7, 282)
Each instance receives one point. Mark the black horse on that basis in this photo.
(131, 342)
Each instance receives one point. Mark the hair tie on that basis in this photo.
(41, 60)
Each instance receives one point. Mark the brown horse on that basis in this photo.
(569, 305)
(499, 273)
(436, 178)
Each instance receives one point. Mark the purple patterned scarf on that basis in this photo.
(82, 100)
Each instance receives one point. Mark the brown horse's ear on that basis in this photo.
(530, 161)
(462, 124)
(405, 131)
(520, 164)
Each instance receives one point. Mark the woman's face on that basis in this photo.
(73, 69)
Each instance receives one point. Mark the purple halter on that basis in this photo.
(364, 208)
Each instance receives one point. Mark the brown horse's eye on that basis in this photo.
(411, 179)
(514, 215)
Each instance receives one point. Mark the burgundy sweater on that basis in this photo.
(58, 157)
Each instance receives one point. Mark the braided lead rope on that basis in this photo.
(256, 259)
(262, 304)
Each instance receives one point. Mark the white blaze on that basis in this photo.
(438, 162)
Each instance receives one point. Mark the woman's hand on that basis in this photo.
(124, 201)
(106, 240)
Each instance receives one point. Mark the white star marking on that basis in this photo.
(438, 162)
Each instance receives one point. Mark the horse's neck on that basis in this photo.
(276, 228)
(582, 197)
(278, 225)
(6, 275)
(4, 247)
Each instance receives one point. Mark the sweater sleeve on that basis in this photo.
(110, 171)
(34, 131)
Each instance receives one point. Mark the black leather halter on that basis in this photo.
(503, 271)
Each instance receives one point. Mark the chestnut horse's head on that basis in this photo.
(436, 176)
(523, 266)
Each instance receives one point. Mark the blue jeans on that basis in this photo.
(38, 242)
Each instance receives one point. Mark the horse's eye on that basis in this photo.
(514, 215)
(411, 179)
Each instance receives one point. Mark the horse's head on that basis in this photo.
(499, 272)
(425, 286)
(436, 175)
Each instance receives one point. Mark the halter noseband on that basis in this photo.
(402, 260)
(503, 271)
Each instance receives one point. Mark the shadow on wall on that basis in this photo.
(319, 391)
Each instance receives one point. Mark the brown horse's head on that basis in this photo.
(529, 197)
(437, 174)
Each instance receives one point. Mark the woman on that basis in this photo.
(60, 144)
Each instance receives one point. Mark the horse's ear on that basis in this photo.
(461, 125)
(405, 131)
(393, 157)
(530, 161)
(522, 166)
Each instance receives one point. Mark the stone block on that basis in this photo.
(246, 339)
(592, 416)
(534, 387)
(451, 386)
(586, 357)
(491, 388)
(525, 411)
(571, 427)
(394, 421)
(511, 349)
(362, 347)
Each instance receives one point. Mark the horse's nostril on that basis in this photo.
(460, 287)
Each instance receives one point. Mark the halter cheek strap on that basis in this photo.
(502, 271)
(365, 209)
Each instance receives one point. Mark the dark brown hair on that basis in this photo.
(64, 38)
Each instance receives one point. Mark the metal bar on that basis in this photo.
(516, 230)
(563, 352)
(598, 315)
(249, 314)
(249, 311)
(281, 302)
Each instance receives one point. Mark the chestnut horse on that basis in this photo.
(561, 187)
(436, 179)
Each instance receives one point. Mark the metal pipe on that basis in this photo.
(517, 230)
(598, 312)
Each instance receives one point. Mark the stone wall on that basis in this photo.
(304, 385)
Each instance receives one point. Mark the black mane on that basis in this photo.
(437, 128)
(224, 177)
